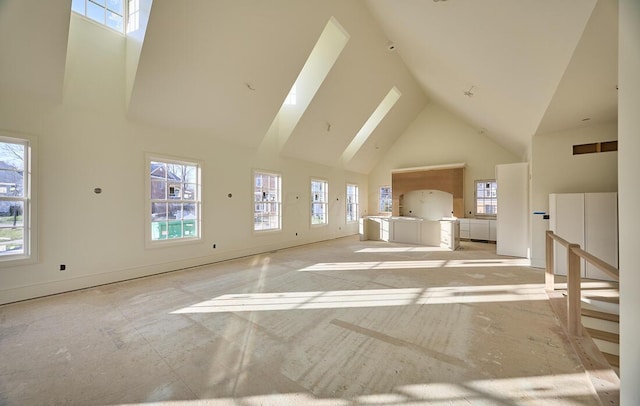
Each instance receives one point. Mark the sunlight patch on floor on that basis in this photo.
(245, 302)
(530, 390)
(437, 263)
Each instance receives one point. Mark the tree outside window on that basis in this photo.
(14, 198)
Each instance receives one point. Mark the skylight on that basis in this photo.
(372, 123)
(320, 61)
(106, 12)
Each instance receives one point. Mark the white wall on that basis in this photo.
(87, 142)
(428, 204)
(629, 196)
(512, 225)
(554, 169)
(438, 137)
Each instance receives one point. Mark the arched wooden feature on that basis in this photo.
(448, 179)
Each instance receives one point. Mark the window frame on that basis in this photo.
(389, 199)
(324, 202)
(356, 205)
(125, 14)
(277, 202)
(149, 201)
(477, 202)
(29, 252)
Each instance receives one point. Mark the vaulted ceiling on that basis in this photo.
(224, 67)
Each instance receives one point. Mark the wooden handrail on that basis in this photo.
(561, 240)
(574, 253)
(600, 264)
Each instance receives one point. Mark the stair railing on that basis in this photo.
(574, 253)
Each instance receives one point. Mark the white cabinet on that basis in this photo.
(589, 220)
(601, 230)
(450, 234)
(478, 229)
(464, 228)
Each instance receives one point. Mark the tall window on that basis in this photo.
(106, 12)
(385, 199)
(267, 201)
(319, 202)
(486, 197)
(352, 203)
(15, 199)
(174, 199)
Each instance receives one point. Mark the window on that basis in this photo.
(106, 12)
(486, 197)
(352, 203)
(267, 201)
(319, 202)
(15, 199)
(174, 200)
(385, 199)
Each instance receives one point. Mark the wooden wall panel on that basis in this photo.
(449, 180)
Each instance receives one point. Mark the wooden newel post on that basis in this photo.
(574, 317)
(549, 281)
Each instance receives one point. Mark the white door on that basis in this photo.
(512, 222)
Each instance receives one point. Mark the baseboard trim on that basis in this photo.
(49, 288)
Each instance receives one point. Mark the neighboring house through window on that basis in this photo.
(267, 201)
(385, 199)
(319, 202)
(486, 197)
(16, 207)
(352, 203)
(174, 200)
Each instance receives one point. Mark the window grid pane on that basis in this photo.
(486, 197)
(14, 199)
(352, 203)
(267, 194)
(110, 13)
(319, 202)
(175, 201)
(385, 199)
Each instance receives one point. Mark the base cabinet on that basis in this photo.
(478, 229)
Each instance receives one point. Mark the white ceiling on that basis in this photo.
(224, 67)
(529, 61)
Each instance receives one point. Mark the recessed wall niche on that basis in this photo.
(446, 178)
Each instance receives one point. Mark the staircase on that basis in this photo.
(600, 317)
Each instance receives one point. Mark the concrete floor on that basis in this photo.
(343, 322)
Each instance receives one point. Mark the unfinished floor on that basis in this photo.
(342, 322)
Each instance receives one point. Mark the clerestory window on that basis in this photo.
(110, 13)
